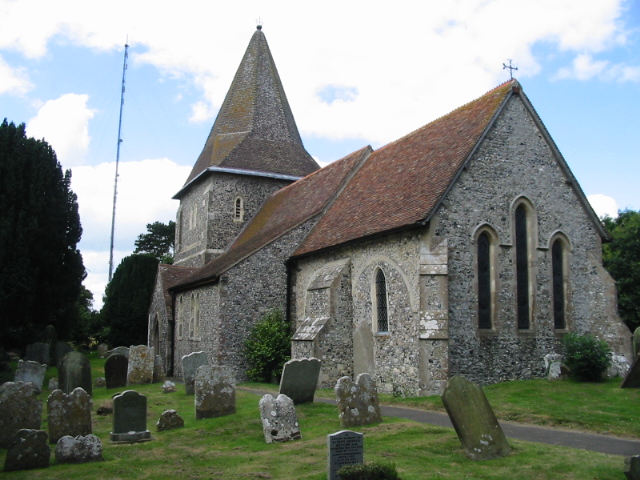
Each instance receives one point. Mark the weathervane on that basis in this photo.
(259, 23)
(510, 67)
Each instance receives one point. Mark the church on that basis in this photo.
(466, 247)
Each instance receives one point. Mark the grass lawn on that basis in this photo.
(233, 447)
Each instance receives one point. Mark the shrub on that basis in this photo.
(268, 347)
(369, 471)
(586, 356)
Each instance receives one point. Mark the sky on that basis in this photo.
(356, 73)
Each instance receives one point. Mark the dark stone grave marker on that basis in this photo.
(344, 448)
(115, 371)
(300, 379)
(130, 417)
(74, 370)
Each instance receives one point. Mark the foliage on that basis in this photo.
(159, 241)
(41, 268)
(586, 356)
(268, 347)
(369, 471)
(127, 300)
(621, 257)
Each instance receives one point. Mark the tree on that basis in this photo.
(268, 347)
(127, 300)
(159, 241)
(41, 268)
(621, 257)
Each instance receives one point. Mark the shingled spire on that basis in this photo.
(255, 129)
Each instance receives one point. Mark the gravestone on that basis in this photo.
(115, 371)
(300, 379)
(345, 448)
(130, 418)
(168, 387)
(215, 391)
(279, 419)
(474, 421)
(53, 384)
(557, 371)
(119, 351)
(140, 370)
(79, 449)
(29, 450)
(62, 348)
(159, 373)
(50, 337)
(38, 352)
(632, 378)
(101, 382)
(30, 371)
(190, 364)
(74, 370)
(169, 420)
(636, 342)
(20, 408)
(102, 350)
(357, 402)
(68, 414)
(632, 467)
(619, 366)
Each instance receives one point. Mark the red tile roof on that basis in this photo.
(171, 275)
(400, 184)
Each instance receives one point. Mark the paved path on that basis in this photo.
(567, 438)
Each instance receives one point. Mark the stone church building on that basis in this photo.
(466, 247)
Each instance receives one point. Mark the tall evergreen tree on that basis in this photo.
(127, 300)
(41, 268)
(159, 241)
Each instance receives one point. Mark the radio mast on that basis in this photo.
(115, 182)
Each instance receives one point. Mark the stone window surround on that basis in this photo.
(494, 244)
(238, 209)
(374, 303)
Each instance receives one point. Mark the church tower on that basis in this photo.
(253, 149)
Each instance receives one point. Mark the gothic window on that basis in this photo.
(558, 280)
(196, 315)
(238, 210)
(485, 310)
(179, 317)
(382, 318)
(522, 268)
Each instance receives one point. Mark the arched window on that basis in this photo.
(196, 315)
(558, 274)
(238, 210)
(180, 317)
(522, 267)
(382, 318)
(485, 310)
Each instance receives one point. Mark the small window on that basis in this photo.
(196, 316)
(484, 282)
(238, 211)
(381, 303)
(179, 315)
(557, 263)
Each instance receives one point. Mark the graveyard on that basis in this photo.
(233, 446)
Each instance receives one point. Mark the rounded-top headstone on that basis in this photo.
(74, 370)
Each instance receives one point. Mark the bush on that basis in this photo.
(586, 356)
(369, 471)
(268, 347)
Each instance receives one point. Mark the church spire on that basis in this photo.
(255, 129)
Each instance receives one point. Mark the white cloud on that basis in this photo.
(13, 79)
(603, 205)
(584, 67)
(64, 124)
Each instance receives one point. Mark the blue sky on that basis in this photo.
(355, 73)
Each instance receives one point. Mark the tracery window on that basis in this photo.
(382, 318)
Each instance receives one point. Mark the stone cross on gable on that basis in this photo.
(510, 67)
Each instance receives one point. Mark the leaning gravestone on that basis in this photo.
(119, 351)
(30, 371)
(357, 402)
(69, 414)
(29, 450)
(190, 364)
(159, 372)
(300, 379)
(79, 449)
(474, 421)
(20, 408)
(632, 378)
(38, 352)
(279, 419)
(115, 371)
(632, 467)
(130, 417)
(169, 420)
(74, 370)
(140, 370)
(345, 448)
(215, 392)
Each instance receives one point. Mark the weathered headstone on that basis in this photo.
(168, 387)
(632, 467)
(557, 371)
(130, 417)
(101, 382)
(190, 364)
(474, 421)
(358, 402)
(79, 449)
(38, 352)
(115, 371)
(215, 391)
(140, 371)
(20, 408)
(632, 378)
(30, 371)
(345, 448)
(62, 348)
(102, 350)
(636, 342)
(159, 373)
(50, 337)
(30, 449)
(68, 414)
(169, 420)
(300, 379)
(619, 366)
(279, 419)
(74, 370)
(53, 384)
(119, 351)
